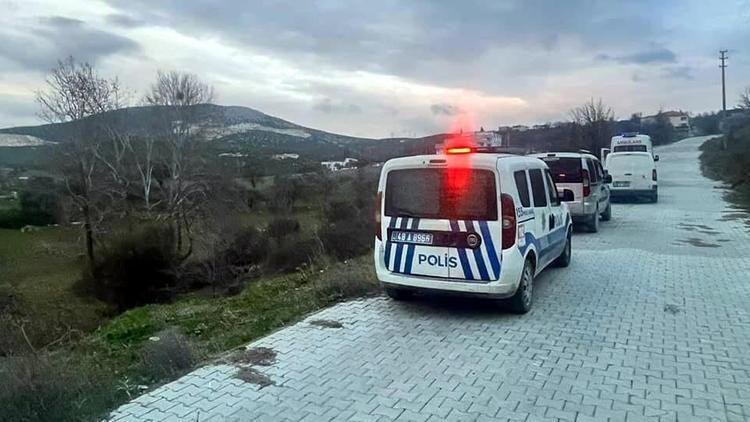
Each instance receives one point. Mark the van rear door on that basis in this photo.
(566, 172)
(630, 170)
(437, 222)
(415, 241)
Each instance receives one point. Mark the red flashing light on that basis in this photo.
(653, 175)
(458, 150)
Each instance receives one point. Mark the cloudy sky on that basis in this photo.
(391, 67)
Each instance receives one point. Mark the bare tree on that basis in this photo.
(74, 92)
(592, 112)
(745, 99)
(593, 124)
(176, 95)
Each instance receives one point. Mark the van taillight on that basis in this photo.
(653, 175)
(378, 218)
(508, 220)
(586, 183)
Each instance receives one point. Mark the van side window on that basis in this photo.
(592, 171)
(537, 187)
(599, 170)
(522, 185)
(552, 189)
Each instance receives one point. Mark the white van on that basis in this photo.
(630, 142)
(468, 222)
(633, 174)
(583, 174)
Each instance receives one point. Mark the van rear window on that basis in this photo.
(456, 194)
(564, 170)
(630, 148)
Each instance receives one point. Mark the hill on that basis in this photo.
(240, 131)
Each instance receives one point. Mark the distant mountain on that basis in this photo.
(233, 129)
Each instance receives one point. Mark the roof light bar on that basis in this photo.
(458, 150)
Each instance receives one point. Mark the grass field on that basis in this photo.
(38, 269)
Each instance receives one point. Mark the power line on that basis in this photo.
(723, 57)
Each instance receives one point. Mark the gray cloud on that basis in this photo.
(443, 109)
(56, 37)
(653, 55)
(329, 106)
(123, 21)
(678, 72)
(430, 41)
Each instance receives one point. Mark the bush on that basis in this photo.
(50, 388)
(355, 278)
(347, 231)
(137, 268)
(293, 254)
(250, 247)
(166, 354)
(39, 208)
(281, 227)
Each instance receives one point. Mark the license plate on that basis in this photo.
(411, 237)
(621, 184)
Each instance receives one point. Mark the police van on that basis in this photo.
(469, 221)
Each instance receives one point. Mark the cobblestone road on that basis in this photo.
(650, 322)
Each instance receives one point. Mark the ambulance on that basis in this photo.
(471, 222)
(629, 142)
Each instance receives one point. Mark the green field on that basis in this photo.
(39, 270)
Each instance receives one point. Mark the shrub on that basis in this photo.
(166, 354)
(39, 208)
(351, 279)
(50, 388)
(281, 227)
(250, 247)
(293, 254)
(347, 231)
(137, 268)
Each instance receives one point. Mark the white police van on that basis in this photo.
(469, 222)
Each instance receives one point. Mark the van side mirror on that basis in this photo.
(568, 196)
(656, 158)
(607, 178)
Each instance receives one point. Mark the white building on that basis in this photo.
(285, 156)
(339, 165)
(678, 119)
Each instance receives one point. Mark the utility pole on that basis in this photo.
(723, 57)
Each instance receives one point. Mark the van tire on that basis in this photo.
(399, 294)
(521, 301)
(563, 260)
(594, 223)
(607, 214)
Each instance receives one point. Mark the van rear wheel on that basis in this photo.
(399, 294)
(521, 301)
(607, 214)
(594, 223)
(564, 259)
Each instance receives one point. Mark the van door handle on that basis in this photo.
(551, 221)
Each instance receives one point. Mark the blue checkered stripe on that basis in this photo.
(480, 264)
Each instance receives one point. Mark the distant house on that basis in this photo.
(482, 138)
(488, 138)
(339, 165)
(520, 128)
(232, 155)
(285, 156)
(678, 119)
